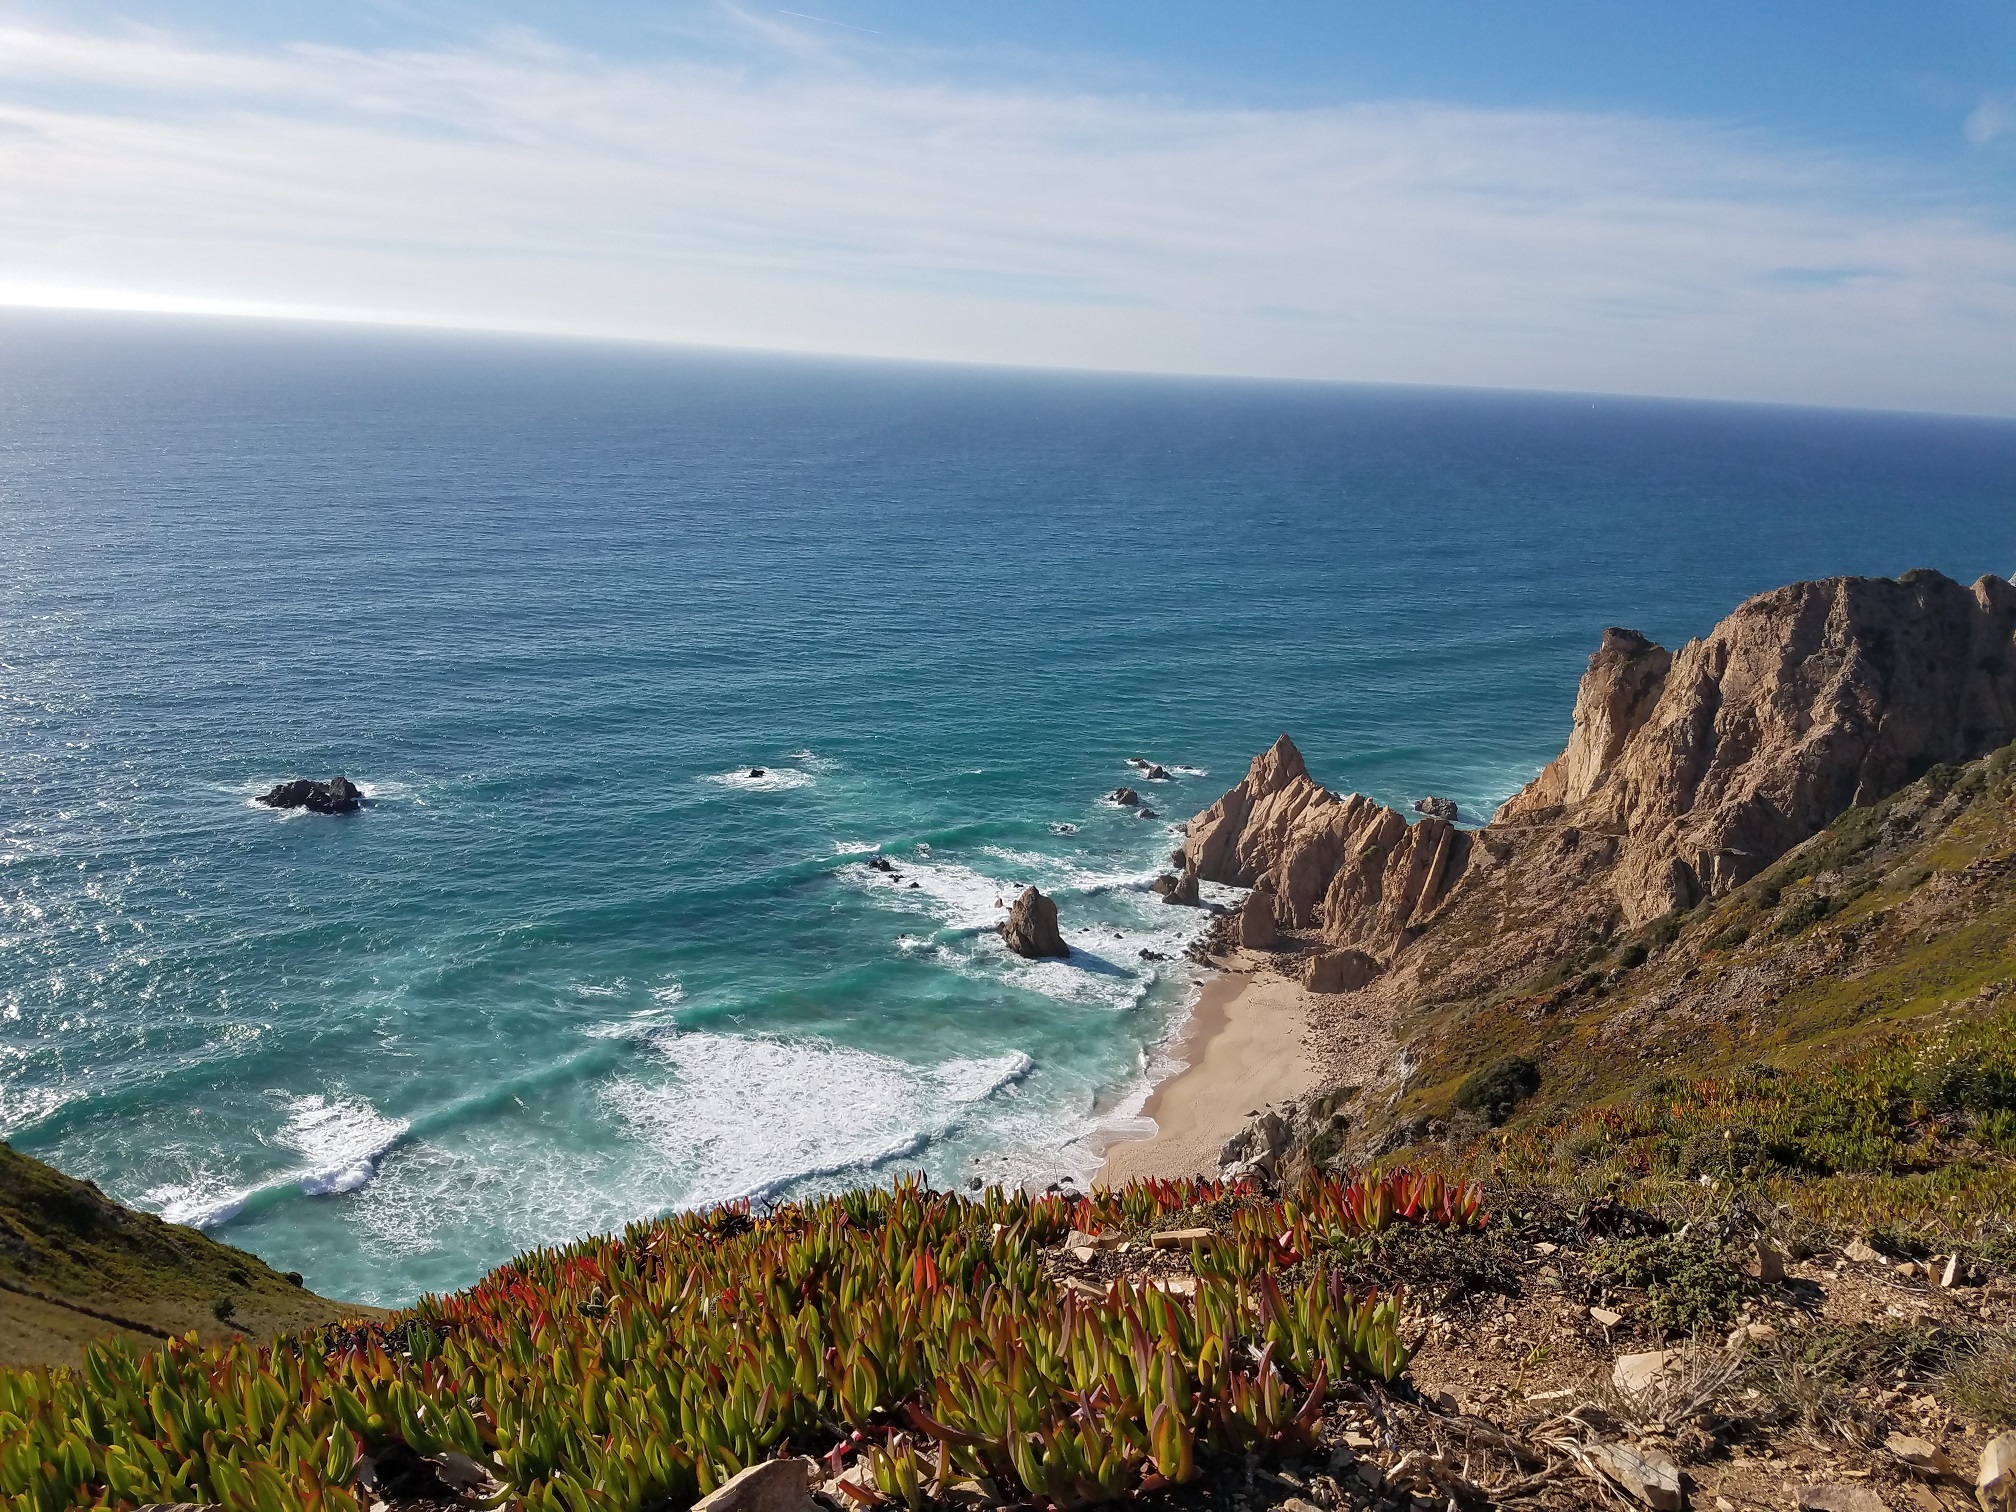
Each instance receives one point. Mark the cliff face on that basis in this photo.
(1686, 774)
(1708, 765)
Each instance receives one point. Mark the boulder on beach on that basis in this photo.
(339, 795)
(1436, 808)
(1031, 927)
(1340, 971)
(1258, 929)
(1125, 797)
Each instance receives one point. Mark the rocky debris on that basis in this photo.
(1180, 1238)
(1031, 927)
(1288, 1141)
(1635, 1374)
(1647, 1474)
(1920, 1454)
(1995, 1481)
(339, 795)
(1769, 1266)
(1840, 1498)
(1861, 1252)
(1339, 971)
(777, 1485)
(1436, 808)
(1354, 871)
(1126, 797)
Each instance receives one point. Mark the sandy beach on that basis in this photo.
(1244, 1047)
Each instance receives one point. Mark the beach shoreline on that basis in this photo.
(1243, 1046)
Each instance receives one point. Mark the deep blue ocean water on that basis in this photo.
(551, 602)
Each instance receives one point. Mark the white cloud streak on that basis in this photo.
(812, 201)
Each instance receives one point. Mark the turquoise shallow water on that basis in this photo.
(549, 603)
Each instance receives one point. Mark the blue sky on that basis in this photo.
(1799, 202)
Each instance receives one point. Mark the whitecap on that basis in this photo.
(1190, 771)
(342, 1139)
(855, 847)
(758, 1115)
(667, 995)
(773, 779)
(196, 1205)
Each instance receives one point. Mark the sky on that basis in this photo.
(1808, 201)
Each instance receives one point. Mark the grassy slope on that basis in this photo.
(1806, 1017)
(75, 1266)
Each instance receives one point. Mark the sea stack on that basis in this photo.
(1031, 927)
(339, 795)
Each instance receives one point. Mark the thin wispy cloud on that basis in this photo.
(837, 198)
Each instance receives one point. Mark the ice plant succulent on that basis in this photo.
(913, 1333)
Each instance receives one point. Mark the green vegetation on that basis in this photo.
(1688, 1285)
(75, 1265)
(1498, 1089)
(913, 1331)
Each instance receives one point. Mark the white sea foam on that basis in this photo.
(773, 780)
(756, 1115)
(667, 995)
(196, 1204)
(342, 1140)
(812, 761)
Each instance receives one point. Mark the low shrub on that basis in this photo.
(1688, 1285)
(1499, 1088)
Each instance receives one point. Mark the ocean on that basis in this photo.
(551, 604)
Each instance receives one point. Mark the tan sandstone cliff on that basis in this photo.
(1686, 774)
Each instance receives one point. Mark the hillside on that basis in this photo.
(76, 1266)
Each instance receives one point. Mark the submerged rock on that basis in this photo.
(1031, 927)
(339, 795)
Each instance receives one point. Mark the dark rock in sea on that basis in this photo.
(1031, 927)
(1139, 763)
(1436, 808)
(758, 772)
(1125, 797)
(916, 884)
(1153, 955)
(1145, 812)
(881, 864)
(1060, 828)
(1177, 859)
(338, 795)
(1159, 774)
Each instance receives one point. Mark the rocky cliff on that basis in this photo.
(1708, 764)
(1686, 774)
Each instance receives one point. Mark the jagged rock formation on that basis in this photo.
(1031, 927)
(339, 795)
(1354, 871)
(1436, 808)
(1708, 764)
(1687, 773)
(1177, 887)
